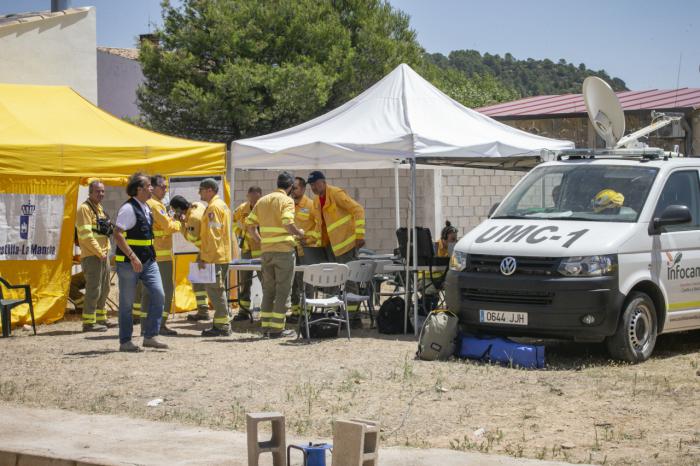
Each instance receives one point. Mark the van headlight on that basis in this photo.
(588, 266)
(458, 261)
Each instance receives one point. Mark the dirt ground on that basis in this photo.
(581, 408)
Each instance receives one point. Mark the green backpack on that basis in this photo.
(438, 337)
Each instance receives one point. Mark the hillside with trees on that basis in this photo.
(526, 77)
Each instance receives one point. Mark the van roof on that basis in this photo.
(664, 162)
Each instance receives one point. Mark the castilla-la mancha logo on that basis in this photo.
(27, 210)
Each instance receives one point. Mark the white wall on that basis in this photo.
(60, 50)
(117, 80)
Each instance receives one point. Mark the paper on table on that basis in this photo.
(205, 275)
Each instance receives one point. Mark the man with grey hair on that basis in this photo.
(93, 229)
(215, 248)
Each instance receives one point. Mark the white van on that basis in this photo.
(589, 248)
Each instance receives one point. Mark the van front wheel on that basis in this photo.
(635, 337)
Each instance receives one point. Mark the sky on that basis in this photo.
(648, 44)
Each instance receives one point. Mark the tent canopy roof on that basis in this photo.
(401, 117)
(53, 131)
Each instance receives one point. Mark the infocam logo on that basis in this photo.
(27, 211)
(674, 271)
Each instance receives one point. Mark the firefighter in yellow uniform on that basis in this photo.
(191, 215)
(163, 228)
(273, 216)
(305, 220)
(93, 239)
(340, 221)
(215, 234)
(250, 249)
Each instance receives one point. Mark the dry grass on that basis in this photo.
(582, 408)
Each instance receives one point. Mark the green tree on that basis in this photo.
(226, 69)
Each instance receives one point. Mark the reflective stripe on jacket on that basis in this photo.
(239, 228)
(305, 219)
(139, 237)
(271, 214)
(193, 223)
(215, 233)
(91, 243)
(163, 228)
(343, 219)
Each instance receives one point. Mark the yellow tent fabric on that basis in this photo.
(51, 140)
(53, 131)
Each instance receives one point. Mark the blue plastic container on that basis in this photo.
(314, 453)
(501, 350)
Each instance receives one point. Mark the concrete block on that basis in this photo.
(383, 192)
(355, 443)
(8, 458)
(277, 445)
(31, 460)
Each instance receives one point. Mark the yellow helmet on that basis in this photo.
(607, 199)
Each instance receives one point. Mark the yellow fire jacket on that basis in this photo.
(271, 213)
(342, 220)
(215, 233)
(193, 223)
(91, 243)
(163, 228)
(239, 228)
(305, 219)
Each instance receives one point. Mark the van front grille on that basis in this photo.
(483, 295)
(482, 263)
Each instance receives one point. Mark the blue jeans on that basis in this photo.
(150, 277)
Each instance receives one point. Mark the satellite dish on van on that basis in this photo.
(604, 110)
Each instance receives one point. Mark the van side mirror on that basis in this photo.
(493, 209)
(672, 215)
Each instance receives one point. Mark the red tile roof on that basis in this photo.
(655, 99)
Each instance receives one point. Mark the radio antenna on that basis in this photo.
(678, 78)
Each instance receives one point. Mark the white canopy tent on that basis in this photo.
(402, 118)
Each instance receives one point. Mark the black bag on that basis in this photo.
(104, 224)
(320, 329)
(390, 318)
(424, 242)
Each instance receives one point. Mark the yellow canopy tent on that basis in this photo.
(50, 139)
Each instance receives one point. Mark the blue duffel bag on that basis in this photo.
(501, 350)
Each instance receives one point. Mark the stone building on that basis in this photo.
(118, 76)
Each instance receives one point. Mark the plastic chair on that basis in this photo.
(362, 273)
(325, 276)
(8, 304)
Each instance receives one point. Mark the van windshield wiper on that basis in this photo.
(516, 217)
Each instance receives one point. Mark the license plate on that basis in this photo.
(502, 317)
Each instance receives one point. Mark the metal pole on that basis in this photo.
(397, 195)
(415, 247)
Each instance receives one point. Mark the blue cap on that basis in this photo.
(315, 176)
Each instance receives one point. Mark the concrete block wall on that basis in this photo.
(373, 189)
(469, 193)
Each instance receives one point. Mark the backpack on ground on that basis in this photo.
(438, 337)
(319, 329)
(390, 319)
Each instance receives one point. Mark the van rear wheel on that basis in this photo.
(636, 333)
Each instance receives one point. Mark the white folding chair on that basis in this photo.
(325, 276)
(362, 273)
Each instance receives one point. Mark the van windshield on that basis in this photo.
(599, 193)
